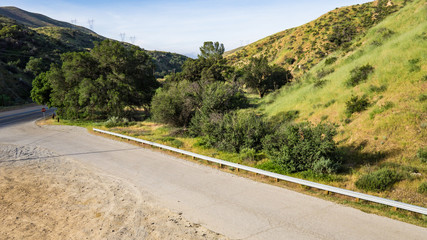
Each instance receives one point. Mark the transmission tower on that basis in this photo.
(74, 21)
(123, 36)
(90, 22)
(132, 39)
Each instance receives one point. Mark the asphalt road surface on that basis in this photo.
(24, 115)
(236, 207)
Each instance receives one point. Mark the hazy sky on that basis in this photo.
(182, 26)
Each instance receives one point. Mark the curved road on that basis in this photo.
(236, 207)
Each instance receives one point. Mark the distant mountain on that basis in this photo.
(30, 42)
(36, 20)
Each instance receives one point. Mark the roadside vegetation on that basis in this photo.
(354, 118)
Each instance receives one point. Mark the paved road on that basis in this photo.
(23, 115)
(236, 207)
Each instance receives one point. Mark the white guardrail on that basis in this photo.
(341, 191)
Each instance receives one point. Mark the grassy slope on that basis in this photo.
(395, 134)
(308, 44)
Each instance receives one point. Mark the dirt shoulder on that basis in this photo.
(47, 197)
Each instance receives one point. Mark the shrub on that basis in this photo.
(359, 74)
(329, 103)
(380, 180)
(324, 72)
(297, 147)
(422, 154)
(356, 104)
(174, 104)
(325, 166)
(319, 83)
(414, 65)
(423, 188)
(377, 89)
(116, 122)
(233, 131)
(422, 97)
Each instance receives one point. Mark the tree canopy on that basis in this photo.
(260, 76)
(110, 80)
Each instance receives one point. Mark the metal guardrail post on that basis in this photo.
(345, 192)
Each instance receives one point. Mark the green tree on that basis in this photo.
(260, 76)
(40, 93)
(110, 80)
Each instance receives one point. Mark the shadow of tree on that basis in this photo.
(354, 156)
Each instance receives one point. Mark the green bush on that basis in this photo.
(297, 147)
(325, 166)
(359, 74)
(330, 60)
(329, 103)
(233, 131)
(423, 188)
(174, 104)
(380, 180)
(324, 72)
(413, 65)
(117, 122)
(422, 97)
(356, 104)
(422, 154)
(377, 89)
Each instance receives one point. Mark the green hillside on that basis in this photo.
(389, 132)
(36, 20)
(298, 49)
(30, 42)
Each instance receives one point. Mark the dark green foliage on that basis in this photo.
(290, 61)
(422, 97)
(40, 93)
(356, 104)
(359, 74)
(414, 65)
(111, 80)
(377, 89)
(117, 122)
(166, 63)
(422, 154)
(260, 76)
(324, 72)
(210, 66)
(330, 60)
(175, 104)
(234, 131)
(298, 147)
(329, 103)
(342, 34)
(377, 181)
(423, 188)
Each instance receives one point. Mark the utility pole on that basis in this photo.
(90, 22)
(123, 36)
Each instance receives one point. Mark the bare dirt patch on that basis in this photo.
(43, 196)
